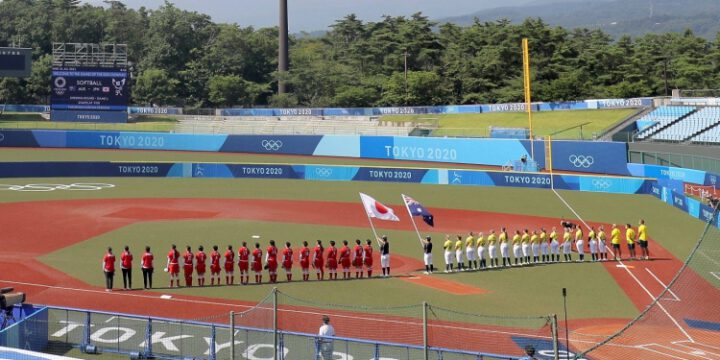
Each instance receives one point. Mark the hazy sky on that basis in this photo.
(311, 15)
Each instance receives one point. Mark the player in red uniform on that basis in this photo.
(368, 257)
(318, 262)
(214, 266)
(358, 259)
(173, 265)
(147, 268)
(200, 259)
(126, 259)
(305, 261)
(287, 260)
(229, 265)
(244, 263)
(108, 266)
(257, 263)
(345, 259)
(271, 261)
(332, 260)
(188, 259)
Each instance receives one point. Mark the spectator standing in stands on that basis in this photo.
(126, 259)
(325, 345)
(108, 265)
(147, 268)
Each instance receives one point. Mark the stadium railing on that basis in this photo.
(280, 321)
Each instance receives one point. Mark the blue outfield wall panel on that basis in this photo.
(390, 175)
(705, 213)
(329, 173)
(272, 144)
(672, 173)
(338, 145)
(18, 138)
(693, 207)
(268, 171)
(590, 156)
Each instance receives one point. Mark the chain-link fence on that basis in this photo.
(289, 324)
(683, 322)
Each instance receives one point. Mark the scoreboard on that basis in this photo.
(15, 62)
(89, 94)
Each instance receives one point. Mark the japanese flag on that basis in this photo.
(375, 209)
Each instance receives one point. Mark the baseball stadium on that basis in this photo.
(108, 201)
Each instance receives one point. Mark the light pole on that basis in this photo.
(283, 61)
(567, 331)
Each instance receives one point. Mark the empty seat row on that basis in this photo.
(662, 116)
(695, 123)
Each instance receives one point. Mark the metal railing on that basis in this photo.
(675, 160)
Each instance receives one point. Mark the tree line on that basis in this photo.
(183, 58)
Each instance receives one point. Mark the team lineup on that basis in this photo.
(523, 248)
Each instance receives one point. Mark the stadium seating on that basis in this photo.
(693, 124)
(712, 135)
(662, 117)
(296, 125)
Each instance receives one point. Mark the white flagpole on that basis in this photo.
(412, 218)
(370, 221)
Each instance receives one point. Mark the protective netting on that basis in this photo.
(253, 331)
(451, 329)
(683, 322)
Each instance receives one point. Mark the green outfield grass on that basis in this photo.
(595, 294)
(544, 122)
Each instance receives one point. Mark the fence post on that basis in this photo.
(426, 355)
(86, 333)
(554, 331)
(148, 338)
(275, 323)
(212, 342)
(232, 335)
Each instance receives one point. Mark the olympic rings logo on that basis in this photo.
(601, 184)
(581, 161)
(323, 172)
(53, 187)
(272, 145)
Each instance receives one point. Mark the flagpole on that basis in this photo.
(412, 219)
(371, 224)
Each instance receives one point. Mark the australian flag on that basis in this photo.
(416, 209)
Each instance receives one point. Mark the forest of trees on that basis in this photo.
(183, 58)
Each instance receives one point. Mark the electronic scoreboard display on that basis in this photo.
(15, 62)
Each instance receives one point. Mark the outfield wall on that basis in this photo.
(578, 156)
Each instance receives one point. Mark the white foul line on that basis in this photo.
(663, 284)
(632, 275)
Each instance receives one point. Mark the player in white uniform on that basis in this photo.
(554, 246)
(517, 249)
(492, 252)
(580, 243)
(470, 252)
(544, 246)
(480, 241)
(567, 245)
(504, 247)
(592, 244)
(448, 246)
(459, 253)
(535, 246)
(602, 245)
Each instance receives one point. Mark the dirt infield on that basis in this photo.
(68, 222)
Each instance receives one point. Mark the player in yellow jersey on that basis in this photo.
(492, 249)
(602, 244)
(470, 251)
(554, 246)
(480, 242)
(535, 246)
(642, 240)
(544, 246)
(592, 243)
(579, 243)
(517, 250)
(448, 247)
(504, 253)
(526, 247)
(567, 245)
(615, 241)
(459, 253)
(630, 238)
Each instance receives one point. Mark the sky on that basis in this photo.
(313, 15)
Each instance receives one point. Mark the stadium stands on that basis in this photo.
(296, 125)
(662, 117)
(711, 135)
(691, 125)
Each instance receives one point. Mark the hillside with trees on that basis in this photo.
(182, 58)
